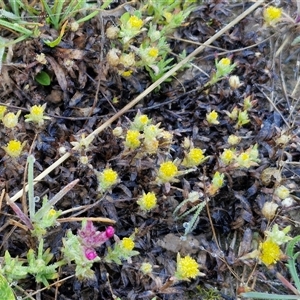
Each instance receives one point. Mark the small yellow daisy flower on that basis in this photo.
(194, 158)
(212, 118)
(224, 62)
(272, 15)
(147, 201)
(227, 156)
(107, 179)
(37, 114)
(269, 252)
(14, 148)
(135, 23)
(127, 244)
(132, 140)
(244, 160)
(140, 121)
(153, 52)
(167, 172)
(187, 268)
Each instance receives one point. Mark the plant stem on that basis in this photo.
(31, 200)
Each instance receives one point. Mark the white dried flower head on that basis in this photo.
(234, 82)
(112, 32)
(113, 57)
(269, 210)
(287, 202)
(118, 131)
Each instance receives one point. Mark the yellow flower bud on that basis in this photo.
(212, 118)
(10, 120)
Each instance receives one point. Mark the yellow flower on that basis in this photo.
(127, 73)
(140, 121)
(272, 15)
(212, 118)
(107, 179)
(187, 268)
(269, 252)
(224, 62)
(244, 160)
(147, 201)
(36, 114)
(224, 67)
(282, 192)
(194, 158)
(52, 212)
(227, 156)
(2, 111)
(146, 268)
(135, 23)
(132, 139)
(167, 171)
(10, 120)
(148, 55)
(14, 148)
(153, 52)
(127, 244)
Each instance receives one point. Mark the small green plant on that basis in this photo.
(37, 265)
(137, 42)
(123, 250)
(80, 248)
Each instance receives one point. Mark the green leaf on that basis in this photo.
(43, 78)
(58, 39)
(6, 291)
(295, 41)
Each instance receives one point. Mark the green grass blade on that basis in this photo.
(16, 27)
(292, 260)
(49, 12)
(257, 295)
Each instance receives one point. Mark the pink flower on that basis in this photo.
(90, 254)
(91, 238)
